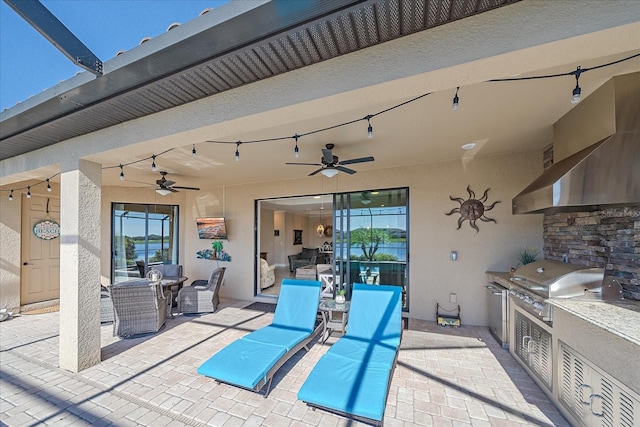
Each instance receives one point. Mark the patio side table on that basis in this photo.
(339, 322)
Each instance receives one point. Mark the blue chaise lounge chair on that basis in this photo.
(251, 361)
(352, 378)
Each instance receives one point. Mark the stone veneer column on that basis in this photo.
(80, 197)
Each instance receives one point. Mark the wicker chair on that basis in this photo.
(201, 298)
(106, 306)
(139, 308)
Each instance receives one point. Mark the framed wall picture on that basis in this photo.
(276, 233)
(297, 237)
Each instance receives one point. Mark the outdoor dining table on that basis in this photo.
(167, 283)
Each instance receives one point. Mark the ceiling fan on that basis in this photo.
(331, 165)
(165, 186)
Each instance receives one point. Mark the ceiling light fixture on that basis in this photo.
(28, 192)
(296, 151)
(238, 151)
(456, 100)
(370, 128)
(11, 195)
(575, 96)
(153, 164)
(48, 186)
(163, 191)
(469, 146)
(329, 172)
(121, 173)
(193, 150)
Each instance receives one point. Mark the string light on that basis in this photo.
(153, 165)
(48, 186)
(11, 195)
(370, 128)
(296, 150)
(575, 96)
(121, 173)
(28, 192)
(456, 100)
(238, 151)
(193, 150)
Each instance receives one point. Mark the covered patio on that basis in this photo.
(444, 377)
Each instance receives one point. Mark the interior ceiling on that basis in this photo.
(500, 117)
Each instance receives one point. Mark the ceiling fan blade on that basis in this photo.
(358, 160)
(169, 183)
(186, 188)
(346, 170)
(307, 164)
(315, 172)
(327, 156)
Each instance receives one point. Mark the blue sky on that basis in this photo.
(29, 63)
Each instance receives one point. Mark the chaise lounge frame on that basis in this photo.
(375, 345)
(213, 366)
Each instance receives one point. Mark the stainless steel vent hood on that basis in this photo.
(605, 174)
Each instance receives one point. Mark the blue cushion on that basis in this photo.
(347, 386)
(375, 313)
(243, 362)
(364, 351)
(298, 304)
(278, 336)
(247, 360)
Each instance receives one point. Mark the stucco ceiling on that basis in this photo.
(499, 117)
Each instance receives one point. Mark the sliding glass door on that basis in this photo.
(143, 235)
(371, 243)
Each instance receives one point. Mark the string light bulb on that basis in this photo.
(121, 173)
(28, 192)
(456, 100)
(153, 164)
(238, 151)
(193, 150)
(48, 186)
(575, 96)
(11, 195)
(296, 150)
(369, 128)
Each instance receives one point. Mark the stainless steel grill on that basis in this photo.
(534, 283)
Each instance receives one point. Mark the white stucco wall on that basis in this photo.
(10, 222)
(432, 234)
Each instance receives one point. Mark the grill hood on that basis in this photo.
(606, 173)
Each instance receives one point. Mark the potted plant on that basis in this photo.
(527, 255)
(340, 296)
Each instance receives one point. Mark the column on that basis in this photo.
(80, 205)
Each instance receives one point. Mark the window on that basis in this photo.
(143, 235)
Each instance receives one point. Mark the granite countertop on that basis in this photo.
(621, 318)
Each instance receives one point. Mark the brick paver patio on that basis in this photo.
(444, 377)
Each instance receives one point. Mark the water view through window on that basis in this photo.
(143, 235)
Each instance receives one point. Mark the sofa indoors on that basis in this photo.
(308, 256)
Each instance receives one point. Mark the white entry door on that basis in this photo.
(40, 275)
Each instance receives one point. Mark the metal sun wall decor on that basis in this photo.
(472, 209)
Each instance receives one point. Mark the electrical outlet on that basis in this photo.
(453, 298)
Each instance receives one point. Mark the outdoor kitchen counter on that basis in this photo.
(621, 318)
(500, 277)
